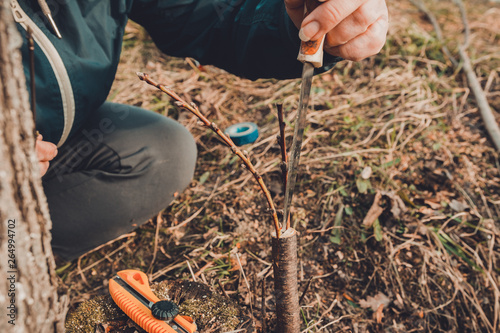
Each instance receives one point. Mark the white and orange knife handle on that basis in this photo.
(312, 51)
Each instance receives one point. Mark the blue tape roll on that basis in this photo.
(243, 133)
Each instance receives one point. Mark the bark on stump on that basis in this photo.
(28, 285)
(285, 282)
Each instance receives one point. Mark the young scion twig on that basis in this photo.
(284, 155)
(194, 110)
(282, 143)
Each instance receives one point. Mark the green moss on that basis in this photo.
(100, 309)
(208, 309)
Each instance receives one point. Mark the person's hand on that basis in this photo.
(355, 29)
(46, 151)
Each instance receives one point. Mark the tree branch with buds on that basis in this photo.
(191, 107)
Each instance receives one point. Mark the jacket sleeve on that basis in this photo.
(249, 38)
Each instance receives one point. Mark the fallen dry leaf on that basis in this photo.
(432, 204)
(374, 212)
(375, 302)
(366, 173)
(398, 206)
(379, 314)
(458, 206)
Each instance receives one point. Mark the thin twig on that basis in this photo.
(166, 270)
(246, 282)
(195, 214)
(155, 251)
(191, 270)
(282, 143)
(284, 156)
(263, 305)
(222, 288)
(305, 289)
(482, 102)
(439, 34)
(107, 255)
(79, 268)
(463, 14)
(194, 110)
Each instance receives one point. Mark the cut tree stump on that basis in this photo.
(285, 282)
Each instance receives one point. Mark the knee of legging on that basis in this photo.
(174, 155)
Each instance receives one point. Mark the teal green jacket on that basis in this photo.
(252, 39)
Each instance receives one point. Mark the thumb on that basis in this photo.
(326, 17)
(46, 151)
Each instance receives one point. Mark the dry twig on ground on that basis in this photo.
(482, 102)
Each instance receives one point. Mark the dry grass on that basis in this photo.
(407, 115)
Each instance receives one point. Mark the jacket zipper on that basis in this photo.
(57, 65)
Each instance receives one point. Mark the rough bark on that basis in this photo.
(285, 282)
(27, 280)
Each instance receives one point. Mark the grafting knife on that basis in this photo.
(311, 54)
(130, 291)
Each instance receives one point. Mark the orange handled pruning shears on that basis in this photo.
(131, 292)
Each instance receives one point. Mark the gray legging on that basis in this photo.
(122, 168)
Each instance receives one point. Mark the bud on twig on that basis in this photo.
(141, 75)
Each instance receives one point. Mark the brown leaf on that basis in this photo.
(426, 211)
(398, 206)
(432, 204)
(379, 314)
(211, 231)
(366, 173)
(458, 206)
(374, 212)
(375, 302)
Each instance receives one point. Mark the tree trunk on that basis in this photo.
(28, 286)
(285, 282)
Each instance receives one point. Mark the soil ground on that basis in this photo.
(400, 131)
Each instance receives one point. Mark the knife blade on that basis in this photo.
(311, 54)
(131, 292)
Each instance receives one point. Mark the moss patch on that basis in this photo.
(209, 310)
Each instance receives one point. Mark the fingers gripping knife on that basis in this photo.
(311, 54)
(130, 291)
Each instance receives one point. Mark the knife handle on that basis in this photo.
(139, 281)
(137, 311)
(312, 51)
